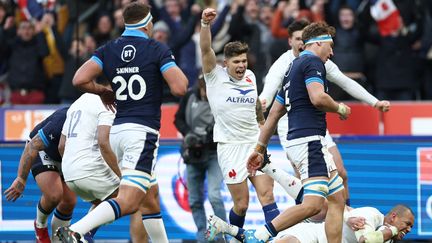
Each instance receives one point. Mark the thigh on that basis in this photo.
(50, 183)
(239, 192)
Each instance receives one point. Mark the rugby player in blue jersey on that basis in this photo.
(42, 157)
(136, 66)
(304, 96)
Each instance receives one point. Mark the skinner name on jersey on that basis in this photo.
(127, 70)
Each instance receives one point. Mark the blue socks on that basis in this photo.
(270, 211)
(238, 221)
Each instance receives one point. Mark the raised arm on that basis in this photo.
(207, 53)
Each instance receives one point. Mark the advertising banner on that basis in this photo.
(381, 174)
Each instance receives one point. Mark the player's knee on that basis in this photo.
(241, 207)
(54, 197)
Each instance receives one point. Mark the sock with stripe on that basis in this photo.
(42, 216)
(104, 213)
(155, 228)
(238, 221)
(270, 211)
(58, 220)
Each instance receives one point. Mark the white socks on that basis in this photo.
(292, 185)
(156, 230)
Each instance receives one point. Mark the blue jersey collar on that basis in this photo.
(135, 33)
(306, 52)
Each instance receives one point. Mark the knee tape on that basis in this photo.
(316, 188)
(335, 184)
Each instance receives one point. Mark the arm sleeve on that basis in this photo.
(314, 70)
(211, 77)
(98, 56)
(49, 132)
(105, 118)
(166, 58)
(334, 75)
(274, 78)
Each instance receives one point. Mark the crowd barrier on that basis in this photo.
(382, 172)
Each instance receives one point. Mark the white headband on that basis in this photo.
(143, 23)
(321, 38)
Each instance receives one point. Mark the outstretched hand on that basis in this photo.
(16, 190)
(383, 105)
(208, 15)
(254, 162)
(356, 223)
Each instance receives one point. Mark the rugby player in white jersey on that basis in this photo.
(90, 166)
(365, 224)
(273, 83)
(233, 99)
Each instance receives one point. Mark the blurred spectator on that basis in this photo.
(77, 55)
(244, 27)
(104, 28)
(54, 62)
(26, 77)
(118, 22)
(348, 52)
(427, 52)
(6, 33)
(398, 59)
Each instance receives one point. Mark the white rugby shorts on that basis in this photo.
(232, 160)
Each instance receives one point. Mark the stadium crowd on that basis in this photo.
(44, 41)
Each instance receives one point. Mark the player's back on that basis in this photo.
(82, 155)
(49, 131)
(304, 118)
(134, 65)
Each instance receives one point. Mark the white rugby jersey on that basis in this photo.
(233, 104)
(374, 219)
(82, 156)
(275, 76)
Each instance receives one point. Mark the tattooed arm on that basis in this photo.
(259, 113)
(31, 151)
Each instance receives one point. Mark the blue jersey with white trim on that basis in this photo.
(304, 119)
(49, 131)
(134, 64)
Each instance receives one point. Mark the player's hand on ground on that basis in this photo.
(108, 98)
(208, 15)
(254, 162)
(356, 223)
(16, 190)
(383, 105)
(344, 111)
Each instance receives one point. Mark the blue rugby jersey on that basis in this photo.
(49, 131)
(134, 63)
(304, 119)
